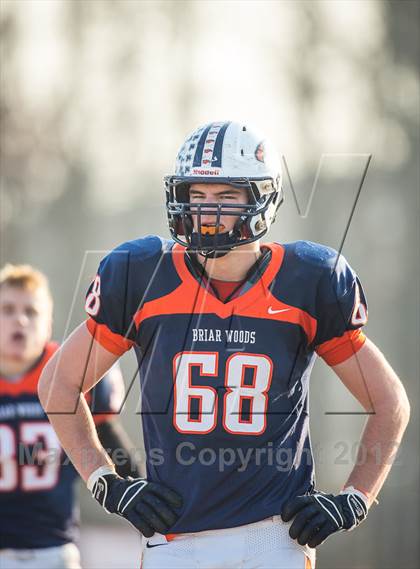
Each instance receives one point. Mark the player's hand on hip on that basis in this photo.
(318, 515)
(148, 506)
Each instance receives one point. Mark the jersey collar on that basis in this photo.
(29, 380)
(252, 294)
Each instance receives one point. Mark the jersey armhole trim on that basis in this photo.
(114, 343)
(100, 418)
(338, 350)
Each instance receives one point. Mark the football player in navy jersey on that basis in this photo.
(226, 330)
(38, 517)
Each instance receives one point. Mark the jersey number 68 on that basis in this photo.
(244, 405)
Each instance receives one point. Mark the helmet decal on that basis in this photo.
(210, 145)
(187, 152)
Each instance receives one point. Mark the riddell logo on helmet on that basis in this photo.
(202, 172)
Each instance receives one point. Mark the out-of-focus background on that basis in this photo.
(96, 97)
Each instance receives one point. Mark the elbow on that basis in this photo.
(401, 414)
(402, 406)
(405, 409)
(397, 409)
(57, 393)
(44, 386)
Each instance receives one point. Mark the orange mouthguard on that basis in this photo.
(212, 229)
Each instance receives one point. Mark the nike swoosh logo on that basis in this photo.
(271, 311)
(156, 545)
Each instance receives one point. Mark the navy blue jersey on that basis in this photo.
(225, 385)
(37, 499)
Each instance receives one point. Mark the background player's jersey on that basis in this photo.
(37, 494)
(225, 385)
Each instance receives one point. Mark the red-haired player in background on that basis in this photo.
(39, 516)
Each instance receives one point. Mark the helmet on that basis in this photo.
(223, 153)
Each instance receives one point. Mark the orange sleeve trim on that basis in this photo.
(338, 350)
(114, 343)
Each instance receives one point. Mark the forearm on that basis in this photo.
(72, 371)
(373, 382)
(61, 395)
(377, 450)
(72, 420)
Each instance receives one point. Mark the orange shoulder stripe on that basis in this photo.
(192, 298)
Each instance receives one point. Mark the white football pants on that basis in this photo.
(62, 557)
(261, 545)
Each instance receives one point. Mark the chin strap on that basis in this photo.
(214, 254)
(224, 242)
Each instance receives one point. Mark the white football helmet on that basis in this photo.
(224, 153)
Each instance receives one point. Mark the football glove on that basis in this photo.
(318, 515)
(146, 505)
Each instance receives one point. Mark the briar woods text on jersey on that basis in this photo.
(218, 335)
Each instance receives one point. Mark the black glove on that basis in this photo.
(317, 516)
(146, 505)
